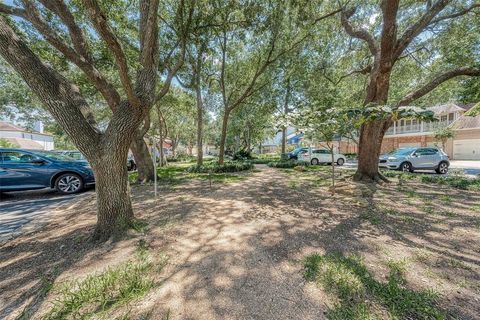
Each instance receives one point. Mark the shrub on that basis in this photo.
(351, 155)
(181, 158)
(288, 164)
(229, 166)
(242, 155)
(261, 161)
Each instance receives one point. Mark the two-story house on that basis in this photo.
(415, 133)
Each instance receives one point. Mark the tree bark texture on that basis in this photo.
(199, 125)
(143, 159)
(115, 213)
(223, 138)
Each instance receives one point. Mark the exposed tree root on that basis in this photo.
(368, 178)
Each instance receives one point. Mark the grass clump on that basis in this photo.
(228, 166)
(287, 164)
(455, 181)
(359, 294)
(100, 292)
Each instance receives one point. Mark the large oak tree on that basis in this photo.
(106, 150)
(405, 28)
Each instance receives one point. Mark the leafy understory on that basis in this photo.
(359, 295)
(100, 294)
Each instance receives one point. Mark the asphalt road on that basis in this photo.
(20, 208)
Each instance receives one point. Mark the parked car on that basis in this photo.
(410, 159)
(77, 155)
(131, 164)
(294, 154)
(22, 169)
(321, 156)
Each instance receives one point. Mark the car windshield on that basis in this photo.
(401, 152)
(297, 150)
(54, 156)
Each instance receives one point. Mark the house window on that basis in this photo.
(443, 118)
(450, 117)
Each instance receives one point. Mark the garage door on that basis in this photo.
(466, 149)
(409, 145)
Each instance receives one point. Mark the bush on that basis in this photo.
(242, 155)
(288, 164)
(261, 161)
(351, 155)
(181, 158)
(229, 166)
(458, 182)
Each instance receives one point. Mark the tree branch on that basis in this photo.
(417, 28)
(76, 34)
(59, 96)
(361, 33)
(456, 14)
(100, 23)
(464, 71)
(15, 11)
(181, 60)
(109, 93)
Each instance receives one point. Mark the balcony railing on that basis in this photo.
(418, 127)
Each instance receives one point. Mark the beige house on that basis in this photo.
(414, 133)
(21, 138)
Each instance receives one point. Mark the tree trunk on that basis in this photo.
(370, 143)
(223, 138)
(333, 169)
(114, 208)
(162, 154)
(284, 139)
(199, 126)
(285, 111)
(146, 171)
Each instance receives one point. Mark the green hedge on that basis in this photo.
(228, 166)
(287, 164)
(181, 158)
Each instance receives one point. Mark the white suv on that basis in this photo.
(321, 156)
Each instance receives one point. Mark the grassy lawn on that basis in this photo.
(177, 173)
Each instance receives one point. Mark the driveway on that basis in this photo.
(468, 166)
(18, 209)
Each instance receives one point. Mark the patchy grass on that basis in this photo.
(476, 208)
(179, 172)
(218, 177)
(455, 181)
(102, 292)
(361, 296)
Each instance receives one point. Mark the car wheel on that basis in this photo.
(340, 162)
(442, 168)
(406, 167)
(69, 183)
(314, 161)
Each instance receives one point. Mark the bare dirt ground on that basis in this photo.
(235, 249)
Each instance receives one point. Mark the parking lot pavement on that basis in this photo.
(469, 167)
(18, 209)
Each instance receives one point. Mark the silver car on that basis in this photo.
(410, 159)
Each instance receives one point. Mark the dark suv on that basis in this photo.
(33, 169)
